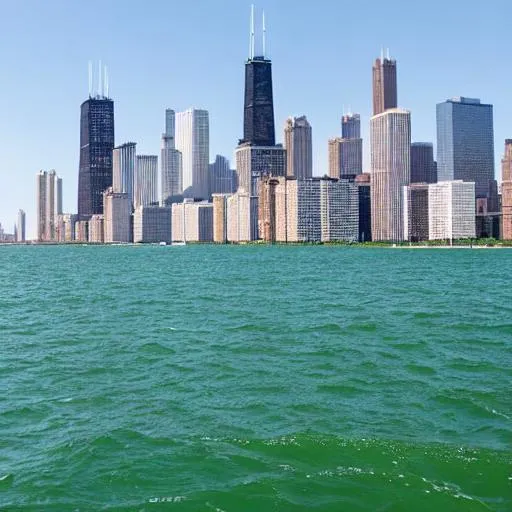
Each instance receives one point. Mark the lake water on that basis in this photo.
(255, 378)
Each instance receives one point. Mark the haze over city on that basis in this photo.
(178, 55)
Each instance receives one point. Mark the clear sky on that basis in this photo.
(178, 54)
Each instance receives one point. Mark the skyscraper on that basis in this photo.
(146, 180)
(20, 227)
(384, 85)
(299, 147)
(465, 143)
(351, 126)
(117, 217)
(170, 161)
(506, 191)
(42, 178)
(96, 145)
(193, 141)
(423, 167)
(221, 178)
(345, 158)
(49, 204)
(123, 161)
(390, 155)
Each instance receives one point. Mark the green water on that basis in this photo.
(225, 379)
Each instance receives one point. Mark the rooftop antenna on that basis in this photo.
(99, 79)
(382, 54)
(387, 54)
(251, 54)
(264, 34)
(90, 79)
(106, 82)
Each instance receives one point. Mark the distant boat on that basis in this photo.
(179, 243)
(163, 243)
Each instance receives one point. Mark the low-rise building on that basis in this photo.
(192, 221)
(152, 224)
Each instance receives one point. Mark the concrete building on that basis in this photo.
(451, 210)
(82, 231)
(242, 218)
(20, 227)
(423, 166)
(345, 158)
(66, 227)
(96, 229)
(415, 203)
(117, 217)
(339, 210)
(192, 221)
(193, 142)
(390, 156)
(123, 169)
(363, 182)
(465, 143)
(385, 95)
(298, 144)
(49, 204)
(267, 209)
(506, 191)
(351, 126)
(146, 180)
(42, 178)
(221, 178)
(152, 224)
(170, 162)
(253, 162)
(220, 218)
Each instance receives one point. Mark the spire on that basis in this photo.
(99, 79)
(264, 34)
(251, 36)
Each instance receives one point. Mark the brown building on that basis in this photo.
(267, 209)
(220, 213)
(384, 85)
(506, 191)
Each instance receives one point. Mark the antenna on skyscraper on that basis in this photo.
(251, 48)
(90, 79)
(106, 82)
(264, 34)
(387, 54)
(382, 54)
(99, 79)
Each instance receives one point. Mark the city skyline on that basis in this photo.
(139, 120)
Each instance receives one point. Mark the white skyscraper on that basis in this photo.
(170, 162)
(49, 205)
(20, 227)
(390, 155)
(146, 180)
(451, 210)
(193, 141)
(299, 147)
(123, 169)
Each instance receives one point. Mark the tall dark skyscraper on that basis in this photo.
(259, 103)
(384, 85)
(351, 126)
(423, 167)
(96, 145)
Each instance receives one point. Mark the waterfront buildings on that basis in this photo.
(66, 227)
(192, 221)
(423, 166)
(123, 163)
(267, 209)
(146, 180)
(339, 210)
(193, 142)
(298, 144)
(465, 144)
(117, 217)
(82, 231)
(363, 182)
(152, 224)
(20, 227)
(242, 217)
(96, 146)
(221, 178)
(415, 202)
(451, 210)
(390, 156)
(170, 162)
(345, 157)
(384, 85)
(220, 218)
(96, 229)
(49, 204)
(506, 191)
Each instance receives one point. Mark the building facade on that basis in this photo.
(415, 203)
(146, 180)
(390, 157)
(363, 182)
(96, 229)
(220, 218)
(117, 217)
(465, 143)
(152, 224)
(384, 85)
(506, 191)
(451, 210)
(423, 166)
(351, 126)
(192, 221)
(193, 142)
(298, 144)
(170, 162)
(21, 226)
(49, 205)
(345, 158)
(123, 165)
(96, 146)
(221, 178)
(242, 218)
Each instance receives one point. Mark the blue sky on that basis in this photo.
(180, 54)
